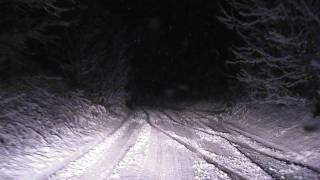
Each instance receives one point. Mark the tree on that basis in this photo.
(22, 21)
(280, 44)
(93, 54)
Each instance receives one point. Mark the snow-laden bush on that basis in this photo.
(280, 48)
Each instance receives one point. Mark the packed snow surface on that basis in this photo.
(46, 136)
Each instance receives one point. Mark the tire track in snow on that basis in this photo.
(155, 156)
(113, 154)
(280, 169)
(272, 156)
(80, 167)
(238, 163)
(133, 156)
(193, 148)
(265, 144)
(269, 151)
(80, 153)
(227, 143)
(180, 162)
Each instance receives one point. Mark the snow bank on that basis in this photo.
(283, 127)
(43, 126)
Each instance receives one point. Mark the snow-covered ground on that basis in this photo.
(43, 130)
(290, 128)
(47, 135)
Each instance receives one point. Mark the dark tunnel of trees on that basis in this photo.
(264, 51)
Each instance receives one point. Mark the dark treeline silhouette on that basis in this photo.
(158, 47)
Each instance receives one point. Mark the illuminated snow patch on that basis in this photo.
(135, 154)
(233, 158)
(205, 171)
(78, 167)
(236, 161)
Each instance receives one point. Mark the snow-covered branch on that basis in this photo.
(280, 46)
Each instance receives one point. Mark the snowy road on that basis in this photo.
(171, 144)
